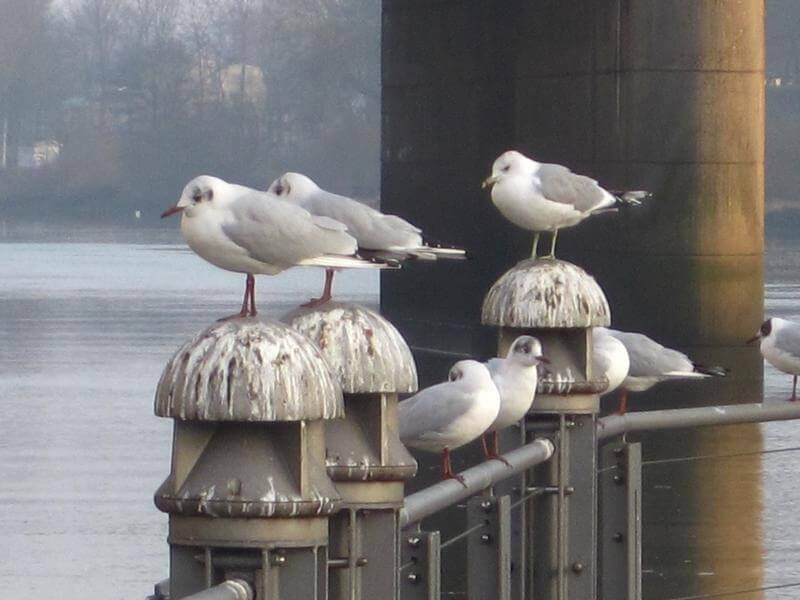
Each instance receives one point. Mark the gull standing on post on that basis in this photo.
(780, 345)
(246, 231)
(652, 363)
(547, 197)
(386, 237)
(448, 415)
(515, 377)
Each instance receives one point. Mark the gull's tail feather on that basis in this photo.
(630, 198)
(712, 370)
(336, 261)
(441, 250)
(426, 252)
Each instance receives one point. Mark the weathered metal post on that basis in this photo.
(365, 457)
(558, 302)
(248, 495)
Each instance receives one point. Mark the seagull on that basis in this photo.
(609, 358)
(780, 345)
(378, 235)
(243, 230)
(652, 363)
(448, 415)
(546, 197)
(515, 377)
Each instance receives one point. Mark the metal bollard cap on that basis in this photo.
(248, 370)
(546, 293)
(364, 351)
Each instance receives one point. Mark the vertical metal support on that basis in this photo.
(620, 485)
(421, 559)
(489, 548)
(581, 506)
(512, 437)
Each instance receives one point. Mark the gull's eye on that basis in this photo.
(525, 349)
(196, 195)
(506, 169)
(455, 375)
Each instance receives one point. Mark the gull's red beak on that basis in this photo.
(171, 211)
(543, 359)
(753, 339)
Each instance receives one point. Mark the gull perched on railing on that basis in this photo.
(780, 346)
(445, 416)
(246, 231)
(380, 236)
(548, 197)
(515, 377)
(652, 363)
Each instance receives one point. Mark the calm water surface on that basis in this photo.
(85, 330)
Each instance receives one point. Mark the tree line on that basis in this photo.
(131, 98)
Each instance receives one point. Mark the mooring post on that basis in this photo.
(559, 303)
(249, 495)
(365, 457)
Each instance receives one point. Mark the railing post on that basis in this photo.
(365, 457)
(559, 303)
(489, 548)
(420, 553)
(248, 494)
(620, 482)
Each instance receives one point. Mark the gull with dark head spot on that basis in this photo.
(780, 346)
(548, 197)
(448, 415)
(385, 237)
(651, 363)
(515, 377)
(246, 231)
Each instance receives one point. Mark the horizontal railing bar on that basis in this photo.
(728, 414)
(232, 589)
(431, 500)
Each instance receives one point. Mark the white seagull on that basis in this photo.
(246, 231)
(385, 237)
(780, 345)
(448, 415)
(652, 363)
(609, 358)
(515, 377)
(547, 197)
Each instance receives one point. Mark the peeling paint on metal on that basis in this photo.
(365, 352)
(546, 293)
(248, 370)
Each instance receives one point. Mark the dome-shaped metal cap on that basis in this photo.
(546, 293)
(248, 370)
(364, 351)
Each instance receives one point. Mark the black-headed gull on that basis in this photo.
(515, 377)
(609, 358)
(652, 363)
(547, 197)
(445, 416)
(780, 346)
(381, 236)
(243, 230)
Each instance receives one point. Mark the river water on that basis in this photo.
(85, 329)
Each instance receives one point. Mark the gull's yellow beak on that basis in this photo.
(488, 182)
